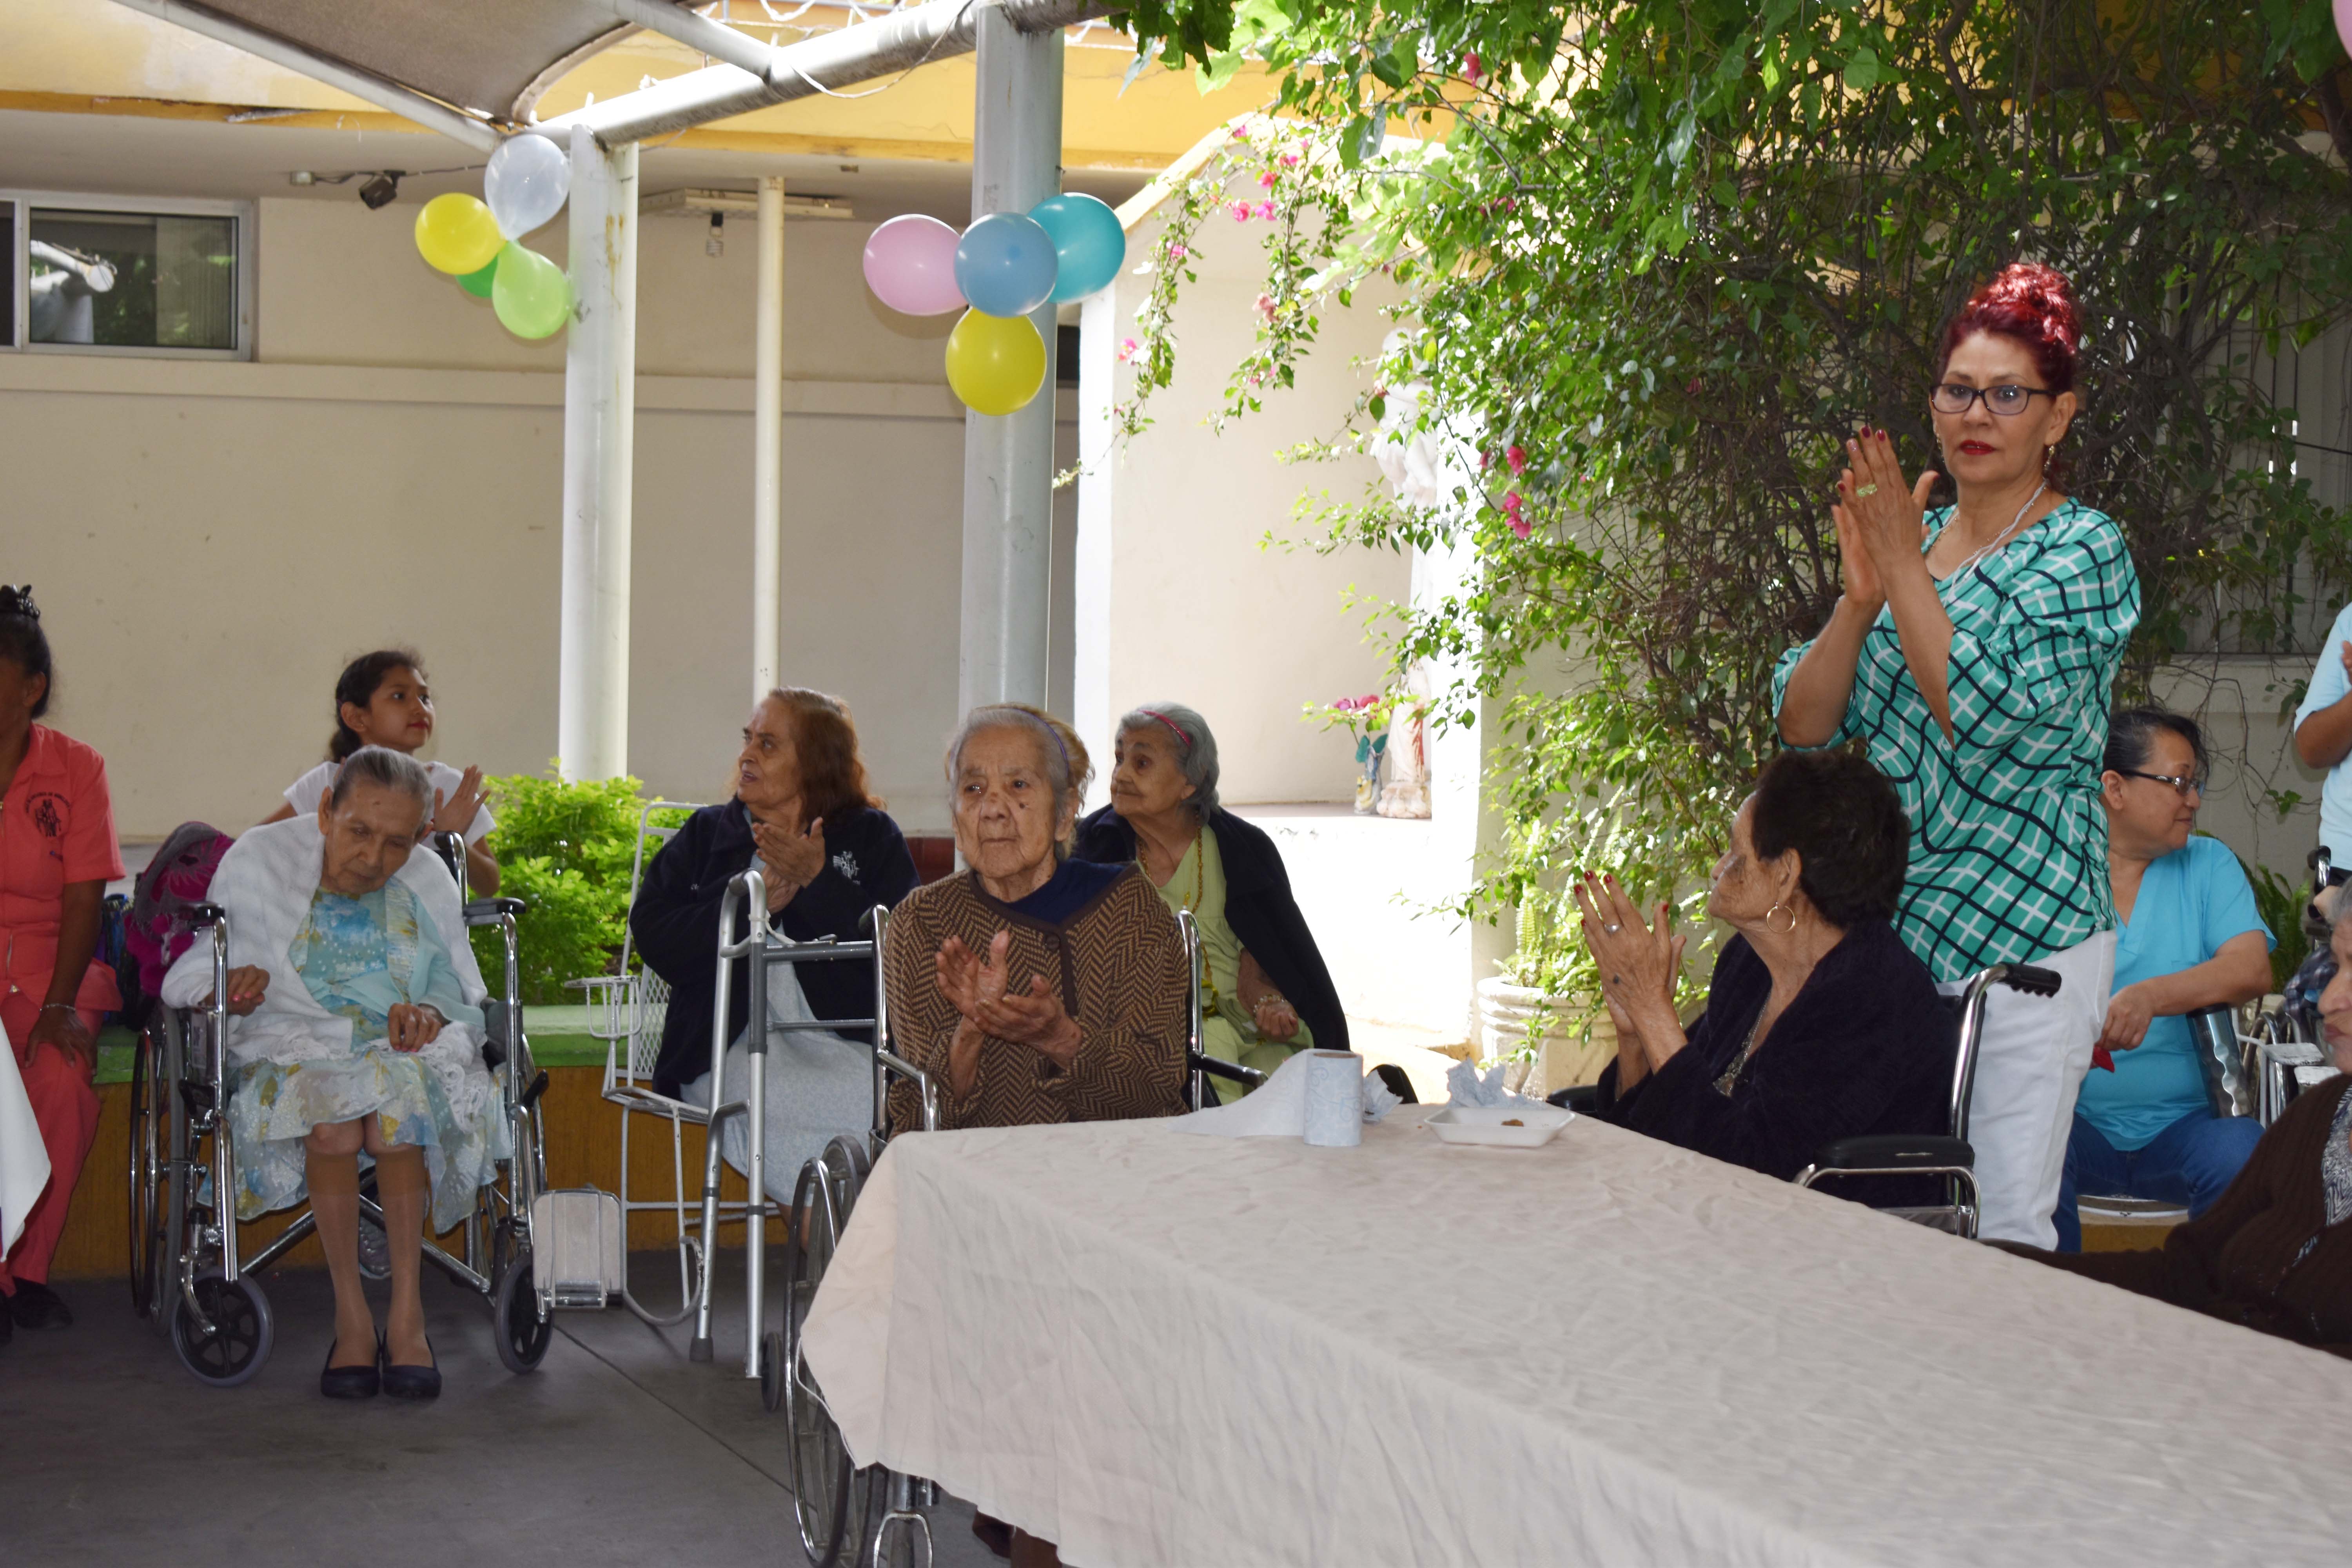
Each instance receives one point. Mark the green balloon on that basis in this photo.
(531, 293)
(477, 284)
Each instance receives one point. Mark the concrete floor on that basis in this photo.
(617, 1450)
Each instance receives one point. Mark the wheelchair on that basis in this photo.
(1913, 1155)
(845, 1512)
(187, 1270)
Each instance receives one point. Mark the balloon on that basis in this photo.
(1088, 244)
(458, 235)
(526, 183)
(477, 284)
(995, 363)
(1004, 265)
(911, 266)
(2344, 21)
(531, 293)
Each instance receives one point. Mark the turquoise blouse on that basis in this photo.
(2009, 845)
(360, 957)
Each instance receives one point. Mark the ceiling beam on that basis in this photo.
(829, 62)
(384, 93)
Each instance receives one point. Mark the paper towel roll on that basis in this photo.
(1335, 1099)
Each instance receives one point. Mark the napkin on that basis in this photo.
(1277, 1107)
(1467, 1086)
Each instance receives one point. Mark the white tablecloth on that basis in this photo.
(1163, 1349)
(23, 1159)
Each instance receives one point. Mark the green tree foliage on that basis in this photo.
(564, 848)
(1659, 257)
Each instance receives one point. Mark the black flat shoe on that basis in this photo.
(351, 1382)
(415, 1382)
(39, 1306)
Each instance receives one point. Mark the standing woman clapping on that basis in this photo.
(1972, 654)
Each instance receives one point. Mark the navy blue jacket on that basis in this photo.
(1865, 1048)
(675, 922)
(1258, 906)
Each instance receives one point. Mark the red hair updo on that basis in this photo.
(2032, 304)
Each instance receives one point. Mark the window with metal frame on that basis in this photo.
(125, 275)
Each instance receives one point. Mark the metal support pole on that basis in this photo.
(1008, 462)
(767, 447)
(600, 401)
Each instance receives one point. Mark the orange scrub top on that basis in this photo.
(56, 826)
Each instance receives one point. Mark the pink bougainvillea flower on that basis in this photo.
(1290, 160)
(1241, 212)
(1512, 504)
(1241, 133)
(1177, 252)
(1518, 457)
(1266, 306)
(1471, 68)
(1266, 211)
(1266, 179)
(1521, 526)
(1486, 461)
(1127, 347)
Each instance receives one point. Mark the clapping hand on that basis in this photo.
(455, 812)
(980, 990)
(792, 859)
(1638, 961)
(1878, 512)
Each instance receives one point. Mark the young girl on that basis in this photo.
(383, 701)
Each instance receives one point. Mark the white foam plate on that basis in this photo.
(1538, 1124)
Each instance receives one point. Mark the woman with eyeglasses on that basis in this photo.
(1972, 653)
(2189, 938)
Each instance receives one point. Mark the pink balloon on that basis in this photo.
(2344, 21)
(911, 266)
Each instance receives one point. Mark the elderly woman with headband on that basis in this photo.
(1267, 993)
(1972, 654)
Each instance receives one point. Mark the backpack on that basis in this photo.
(158, 928)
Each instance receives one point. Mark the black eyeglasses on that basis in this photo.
(1951, 398)
(2183, 785)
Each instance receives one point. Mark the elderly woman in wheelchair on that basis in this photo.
(360, 1032)
(1820, 1023)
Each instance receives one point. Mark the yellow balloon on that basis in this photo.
(457, 234)
(995, 363)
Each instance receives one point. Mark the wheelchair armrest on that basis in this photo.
(489, 911)
(1895, 1152)
(2033, 980)
(1216, 1068)
(1580, 1098)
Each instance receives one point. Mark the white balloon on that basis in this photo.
(525, 185)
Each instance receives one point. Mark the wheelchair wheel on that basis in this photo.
(829, 1502)
(772, 1371)
(242, 1333)
(523, 1335)
(150, 1109)
(376, 1247)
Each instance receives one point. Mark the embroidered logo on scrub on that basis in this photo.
(47, 810)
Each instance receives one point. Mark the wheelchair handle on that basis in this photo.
(2031, 979)
(202, 915)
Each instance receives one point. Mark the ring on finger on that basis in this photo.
(1612, 930)
(1865, 490)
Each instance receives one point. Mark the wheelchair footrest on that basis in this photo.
(577, 1241)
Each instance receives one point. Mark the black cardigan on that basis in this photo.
(676, 924)
(1865, 1048)
(1259, 908)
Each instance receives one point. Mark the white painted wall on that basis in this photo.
(211, 541)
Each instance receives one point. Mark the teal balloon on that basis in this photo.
(1004, 265)
(531, 293)
(1088, 244)
(477, 284)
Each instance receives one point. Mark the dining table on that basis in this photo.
(1163, 1350)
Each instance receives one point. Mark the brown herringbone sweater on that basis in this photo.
(1119, 966)
(2239, 1260)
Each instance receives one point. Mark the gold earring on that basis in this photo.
(1781, 909)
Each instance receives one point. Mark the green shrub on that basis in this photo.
(2279, 903)
(566, 848)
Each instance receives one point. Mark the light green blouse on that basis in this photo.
(1230, 1032)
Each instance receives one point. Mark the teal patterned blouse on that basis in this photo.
(361, 957)
(2009, 844)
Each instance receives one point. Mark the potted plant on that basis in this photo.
(1367, 719)
(1538, 1014)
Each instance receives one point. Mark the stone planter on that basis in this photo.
(1568, 1058)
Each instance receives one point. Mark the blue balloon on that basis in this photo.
(1088, 242)
(1004, 265)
